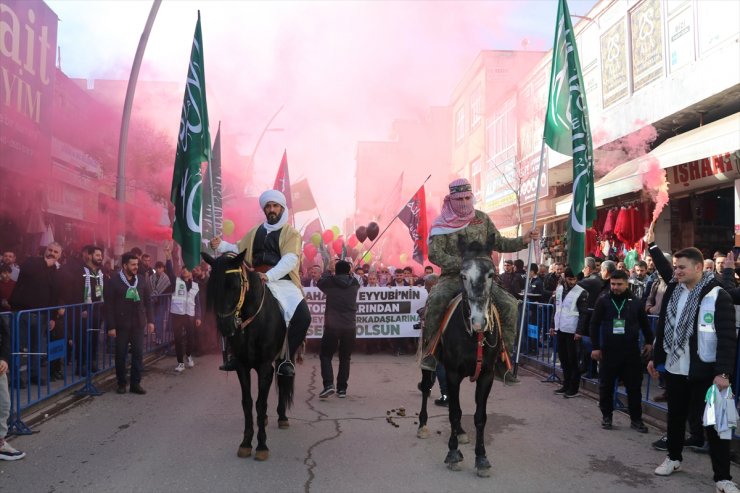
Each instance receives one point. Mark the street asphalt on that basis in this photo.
(182, 436)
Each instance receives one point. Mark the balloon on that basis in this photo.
(336, 231)
(309, 250)
(327, 236)
(352, 241)
(368, 257)
(403, 258)
(316, 239)
(228, 227)
(338, 244)
(372, 231)
(361, 233)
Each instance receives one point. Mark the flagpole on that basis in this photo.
(321, 220)
(392, 220)
(210, 184)
(529, 258)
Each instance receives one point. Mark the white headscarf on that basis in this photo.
(277, 197)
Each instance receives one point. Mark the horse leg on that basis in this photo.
(482, 391)
(425, 386)
(245, 448)
(264, 380)
(454, 456)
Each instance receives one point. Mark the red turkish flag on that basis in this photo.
(282, 181)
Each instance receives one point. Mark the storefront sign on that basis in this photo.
(528, 170)
(704, 172)
(647, 43)
(381, 312)
(681, 39)
(614, 64)
(72, 202)
(28, 40)
(501, 185)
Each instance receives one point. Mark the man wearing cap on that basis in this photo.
(273, 249)
(460, 222)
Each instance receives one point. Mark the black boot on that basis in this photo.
(229, 363)
(286, 368)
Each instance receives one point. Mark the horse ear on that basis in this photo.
(209, 260)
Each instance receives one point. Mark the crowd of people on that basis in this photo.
(690, 348)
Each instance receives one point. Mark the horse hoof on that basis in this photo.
(463, 438)
(262, 455)
(484, 472)
(422, 432)
(454, 466)
(283, 424)
(482, 467)
(244, 452)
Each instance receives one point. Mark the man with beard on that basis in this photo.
(84, 283)
(273, 248)
(128, 309)
(615, 328)
(460, 222)
(37, 287)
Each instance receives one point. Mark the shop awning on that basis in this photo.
(709, 140)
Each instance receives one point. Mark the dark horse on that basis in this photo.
(248, 314)
(470, 347)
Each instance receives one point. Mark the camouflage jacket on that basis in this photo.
(443, 249)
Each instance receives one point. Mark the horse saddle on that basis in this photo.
(452, 306)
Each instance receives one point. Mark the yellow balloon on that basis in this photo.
(368, 257)
(336, 231)
(403, 257)
(228, 227)
(316, 239)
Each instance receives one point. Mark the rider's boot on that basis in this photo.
(229, 362)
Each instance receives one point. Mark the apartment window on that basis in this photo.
(476, 107)
(460, 125)
(476, 178)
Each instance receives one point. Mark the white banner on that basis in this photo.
(381, 312)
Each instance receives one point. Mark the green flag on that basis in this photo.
(193, 149)
(567, 132)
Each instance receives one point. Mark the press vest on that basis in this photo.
(566, 310)
(707, 333)
(183, 301)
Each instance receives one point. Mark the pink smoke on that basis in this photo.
(656, 184)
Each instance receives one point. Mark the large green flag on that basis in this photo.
(193, 149)
(567, 132)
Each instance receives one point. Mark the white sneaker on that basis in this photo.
(191, 363)
(726, 486)
(7, 452)
(668, 467)
(180, 367)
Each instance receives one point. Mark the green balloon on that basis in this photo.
(316, 239)
(337, 231)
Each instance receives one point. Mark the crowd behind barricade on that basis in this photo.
(74, 311)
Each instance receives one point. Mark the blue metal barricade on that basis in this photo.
(56, 348)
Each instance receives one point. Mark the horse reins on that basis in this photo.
(244, 279)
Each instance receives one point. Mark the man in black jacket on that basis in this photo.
(128, 310)
(340, 326)
(696, 344)
(616, 324)
(37, 288)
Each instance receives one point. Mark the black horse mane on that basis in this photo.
(217, 288)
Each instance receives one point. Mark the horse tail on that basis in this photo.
(285, 389)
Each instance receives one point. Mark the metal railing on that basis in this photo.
(57, 348)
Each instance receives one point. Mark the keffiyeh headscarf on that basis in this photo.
(456, 213)
(678, 331)
(277, 197)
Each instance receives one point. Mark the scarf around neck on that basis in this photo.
(678, 331)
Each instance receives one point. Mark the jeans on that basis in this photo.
(4, 405)
(683, 396)
(344, 339)
(441, 376)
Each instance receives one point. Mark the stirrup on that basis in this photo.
(286, 368)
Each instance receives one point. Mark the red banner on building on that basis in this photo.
(27, 67)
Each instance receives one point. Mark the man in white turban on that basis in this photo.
(273, 248)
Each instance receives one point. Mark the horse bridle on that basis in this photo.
(244, 288)
(467, 314)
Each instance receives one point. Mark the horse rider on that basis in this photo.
(460, 222)
(273, 249)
